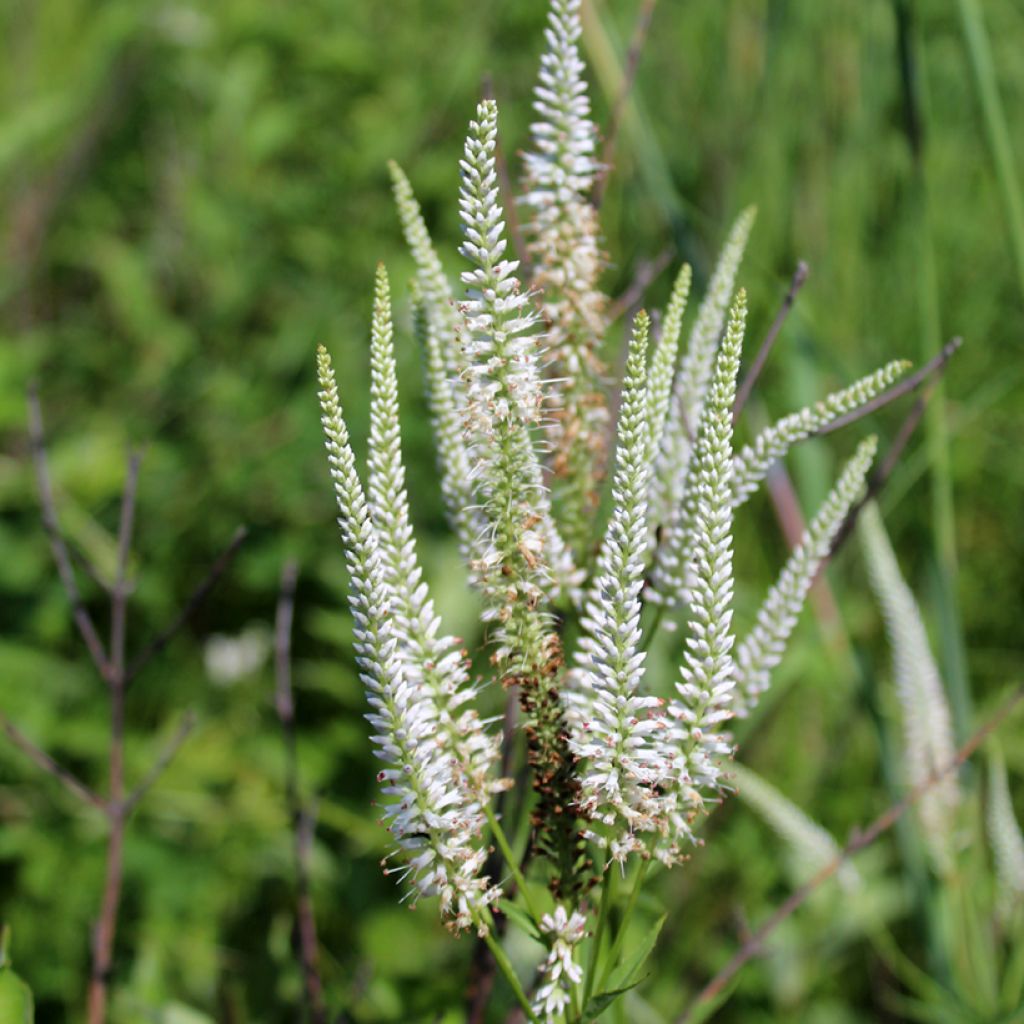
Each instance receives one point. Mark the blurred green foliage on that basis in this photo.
(195, 194)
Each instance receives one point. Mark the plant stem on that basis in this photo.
(506, 968)
(620, 935)
(510, 860)
(607, 888)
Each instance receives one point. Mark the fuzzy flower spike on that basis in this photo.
(525, 561)
(616, 728)
(427, 812)
(562, 231)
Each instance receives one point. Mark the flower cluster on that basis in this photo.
(564, 931)
(622, 764)
(927, 726)
(435, 819)
(562, 231)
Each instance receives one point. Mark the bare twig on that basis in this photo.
(43, 760)
(934, 367)
(199, 595)
(303, 817)
(646, 272)
(160, 765)
(106, 926)
(83, 620)
(878, 479)
(641, 27)
(858, 841)
(747, 386)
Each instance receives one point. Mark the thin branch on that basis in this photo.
(646, 272)
(934, 367)
(858, 841)
(303, 817)
(106, 925)
(878, 479)
(199, 595)
(641, 28)
(747, 386)
(119, 590)
(80, 613)
(43, 760)
(162, 762)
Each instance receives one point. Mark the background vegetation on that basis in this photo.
(193, 195)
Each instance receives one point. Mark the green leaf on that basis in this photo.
(624, 977)
(629, 968)
(596, 1005)
(516, 914)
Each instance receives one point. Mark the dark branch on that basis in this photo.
(878, 479)
(303, 818)
(119, 590)
(641, 28)
(859, 841)
(646, 272)
(43, 760)
(60, 550)
(935, 366)
(161, 764)
(199, 595)
(747, 387)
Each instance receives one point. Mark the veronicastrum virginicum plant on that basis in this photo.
(622, 765)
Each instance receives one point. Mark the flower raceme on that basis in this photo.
(621, 763)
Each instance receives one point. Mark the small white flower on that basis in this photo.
(559, 972)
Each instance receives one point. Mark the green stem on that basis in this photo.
(606, 901)
(620, 935)
(652, 629)
(505, 966)
(510, 860)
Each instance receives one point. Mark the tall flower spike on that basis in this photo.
(434, 665)
(562, 231)
(1004, 832)
(504, 399)
(426, 812)
(672, 467)
(616, 729)
(458, 487)
(754, 461)
(761, 650)
(811, 846)
(705, 692)
(438, 300)
(663, 365)
(928, 734)
(437, 329)
(526, 559)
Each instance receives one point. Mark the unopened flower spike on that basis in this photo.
(426, 812)
(668, 486)
(754, 460)
(927, 727)
(433, 662)
(705, 690)
(562, 236)
(663, 364)
(1004, 832)
(811, 846)
(762, 649)
(617, 729)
